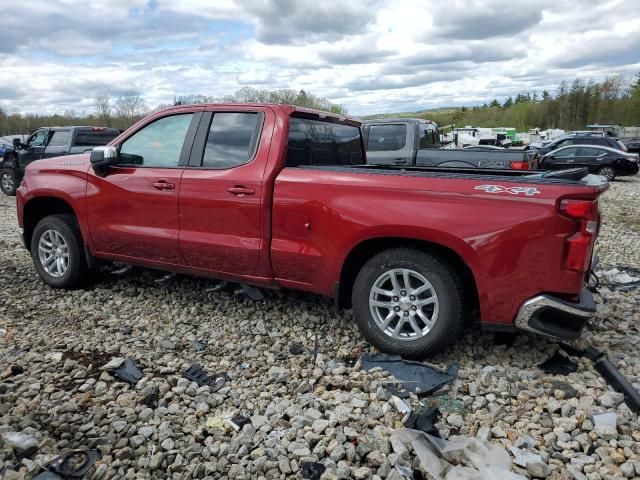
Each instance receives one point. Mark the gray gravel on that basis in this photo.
(326, 412)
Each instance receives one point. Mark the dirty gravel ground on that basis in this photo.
(328, 412)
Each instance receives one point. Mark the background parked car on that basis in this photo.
(633, 145)
(581, 140)
(604, 161)
(49, 142)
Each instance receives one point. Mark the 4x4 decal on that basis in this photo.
(528, 191)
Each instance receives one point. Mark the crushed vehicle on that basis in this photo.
(415, 142)
(49, 142)
(280, 196)
(604, 161)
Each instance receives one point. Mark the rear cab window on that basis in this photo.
(232, 139)
(93, 136)
(320, 142)
(388, 137)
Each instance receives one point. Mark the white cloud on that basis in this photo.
(371, 55)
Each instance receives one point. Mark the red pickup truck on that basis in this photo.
(279, 196)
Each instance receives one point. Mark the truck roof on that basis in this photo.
(286, 109)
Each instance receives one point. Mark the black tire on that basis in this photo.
(77, 272)
(446, 284)
(8, 181)
(608, 172)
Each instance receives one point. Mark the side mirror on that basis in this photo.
(102, 157)
(17, 143)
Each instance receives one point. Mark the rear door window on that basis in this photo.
(590, 152)
(387, 137)
(59, 138)
(566, 152)
(316, 142)
(231, 140)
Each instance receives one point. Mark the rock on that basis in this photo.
(538, 469)
(22, 444)
(376, 458)
(606, 432)
(498, 432)
(455, 419)
(319, 426)
(156, 461)
(362, 473)
(278, 374)
(167, 444)
(566, 424)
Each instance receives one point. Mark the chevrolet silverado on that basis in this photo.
(280, 196)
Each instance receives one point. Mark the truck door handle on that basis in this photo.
(240, 190)
(398, 161)
(163, 185)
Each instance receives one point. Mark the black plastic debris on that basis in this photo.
(150, 397)
(296, 349)
(197, 346)
(415, 377)
(311, 470)
(425, 421)
(240, 421)
(219, 287)
(19, 351)
(350, 361)
(197, 374)
(128, 371)
(558, 364)
(16, 370)
(316, 349)
(46, 475)
(610, 373)
(254, 293)
(73, 464)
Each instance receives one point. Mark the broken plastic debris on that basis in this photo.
(166, 277)
(122, 270)
(415, 377)
(47, 476)
(622, 278)
(312, 470)
(197, 374)
(522, 456)
(425, 422)
(238, 422)
(22, 444)
(558, 364)
(19, 351)
(128, 371)
(254, 293)
(74, 464)
(402, 406)
(219, 287)
(215, 423)
(404, 471)
(459, 458)
(197, 346)
(605, 420)
(296, 349)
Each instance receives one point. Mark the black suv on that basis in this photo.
(581, 140)
(49, 142)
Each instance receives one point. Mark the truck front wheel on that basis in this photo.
(408, 302)
(57, 250)
(8, 183)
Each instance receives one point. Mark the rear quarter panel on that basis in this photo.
(513, 244)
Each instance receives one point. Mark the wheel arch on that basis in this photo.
(366, 249)
(38, 208)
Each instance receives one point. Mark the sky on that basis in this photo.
(372, 56)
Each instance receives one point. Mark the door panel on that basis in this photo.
(133, 208)
(59, 141)
(222, 191)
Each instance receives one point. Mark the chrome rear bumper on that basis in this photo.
(556, 318)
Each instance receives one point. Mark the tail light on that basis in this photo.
(578, 246)
(519, 165)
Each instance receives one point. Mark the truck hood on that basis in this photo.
(74, 163)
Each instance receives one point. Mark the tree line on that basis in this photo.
(124, 110)
(573, 106)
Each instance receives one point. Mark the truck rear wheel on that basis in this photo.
(8, 183)
(408, 302)
(57, 250)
